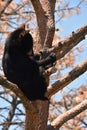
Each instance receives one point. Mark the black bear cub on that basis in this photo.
(21, 67)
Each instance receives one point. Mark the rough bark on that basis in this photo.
(38, 119)
(48, 7)
(44, 10)
(41, 21)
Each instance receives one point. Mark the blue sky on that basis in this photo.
(72, 23)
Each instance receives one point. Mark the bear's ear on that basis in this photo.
(17, 34)
(20, 29)
(22, 26)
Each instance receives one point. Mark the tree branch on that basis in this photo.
(6, 5)
(41, 20)
(59, 121)
(67, 44)
(60, 84)
(13, 87)
(44, 10)
(48, 7)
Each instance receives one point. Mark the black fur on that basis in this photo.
(22, 67)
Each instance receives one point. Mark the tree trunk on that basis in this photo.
(37, 119)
